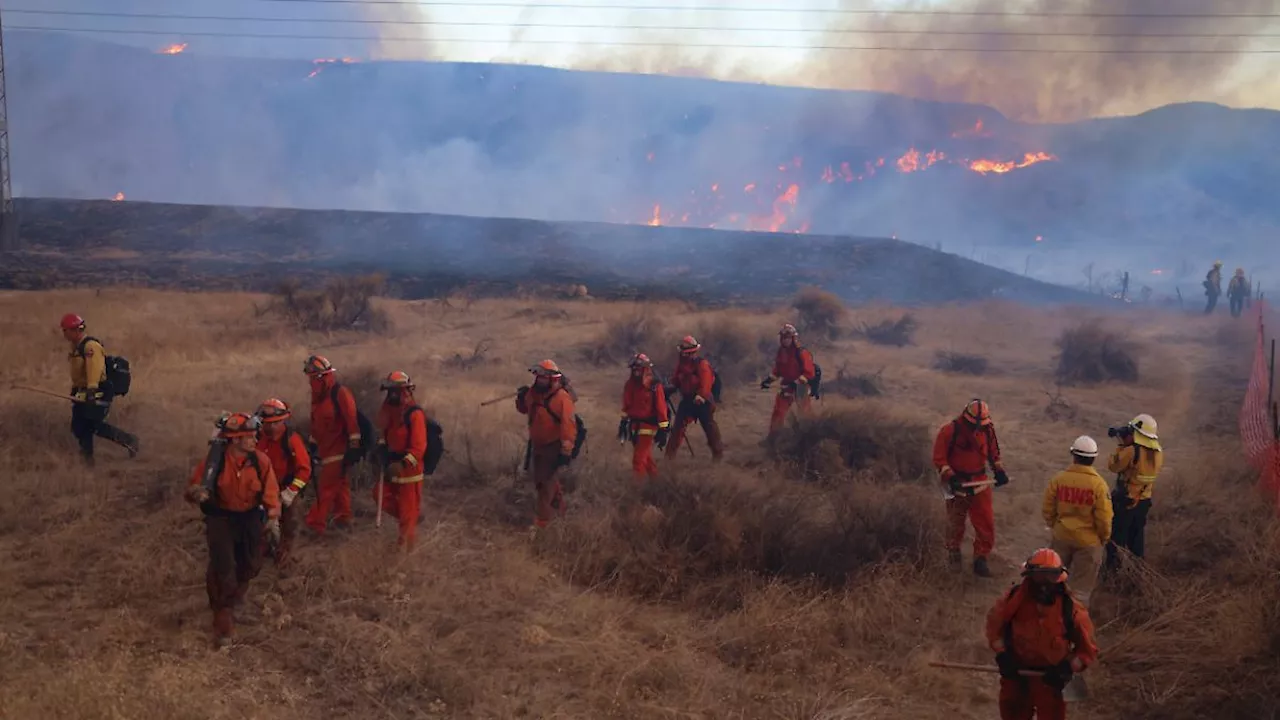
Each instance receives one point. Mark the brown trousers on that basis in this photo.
(705, 414)
(1083, 564)
(290, 521)
(235, 558)
(546, 464)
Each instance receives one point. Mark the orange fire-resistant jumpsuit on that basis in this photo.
(234, 529)
(292, 465)
(404, 431)
(694, 378)
(791, 364)
(965, 450)
(552, 434)
(1037, 636)
(645, 404)
(334, 429)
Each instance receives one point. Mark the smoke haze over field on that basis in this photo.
(210, 124)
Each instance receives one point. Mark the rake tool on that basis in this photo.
(1075, 691)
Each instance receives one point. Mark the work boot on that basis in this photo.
(222, 627)
(953, 557)
(980, 567)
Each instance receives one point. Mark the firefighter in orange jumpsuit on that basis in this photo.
(1038, 626)
(645, 416)
(335, 431)
(961, 452)
(240, 489)
(695, 379)
(553, 433)
(403, 424)
(794, 366)
(291, 462)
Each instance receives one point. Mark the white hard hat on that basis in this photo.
(1145, 425)
(1085, 446)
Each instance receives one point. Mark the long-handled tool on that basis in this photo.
(947, 494)
(57, 395)
(1075, 691)
(382, 479)
(487, 403)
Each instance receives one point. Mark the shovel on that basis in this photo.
(1075, 691)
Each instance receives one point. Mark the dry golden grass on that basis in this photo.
(734, 591)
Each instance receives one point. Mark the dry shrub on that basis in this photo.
(344, 303)
(852, 385)
(732, 347)
(962, 363)
(1205, 604)
(1089, 353)
(477, 358)
(897, 333)
(819, 312)
(708, 541)
(638, 331)
(860, 438)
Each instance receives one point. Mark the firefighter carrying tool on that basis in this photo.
(403, 424)
(336, 433)
(794, 365)
(961, 452)
(96, 380)
(291, 462)
(697, 383)
(645, 416)
(555, 436)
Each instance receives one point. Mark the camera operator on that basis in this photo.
(1136, 460)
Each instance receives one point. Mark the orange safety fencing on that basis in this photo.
(1259, 421)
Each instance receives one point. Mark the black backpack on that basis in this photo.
(117, 377)
(435, 441)
(286, 443)
(815, 385)
(715, 383)
(368, 440)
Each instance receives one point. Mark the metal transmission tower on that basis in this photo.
(8, 219)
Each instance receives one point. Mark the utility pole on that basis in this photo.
(8, 218)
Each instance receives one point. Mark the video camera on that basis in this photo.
(1122, 431)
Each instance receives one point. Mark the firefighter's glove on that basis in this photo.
(522, 391)
(1008, 664)
(196, 494)
(661, 438)
(273, 530)
(1059, 675)
(1002, 478)
(395, 468)
(564, 460)
(81, 396)
(624, 430)
(765, 383)
(351, 457)
(698, 400)
(287, 496)
(957, 485)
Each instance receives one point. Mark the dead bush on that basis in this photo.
(897, 333)
(1089, 353)
(707, 541)
(849, 384)
(863, 439)
(344, 303)
(476, 358)
(639, 331)
(962, 363)
(1057, 408)
(819, 313)
(731, 345)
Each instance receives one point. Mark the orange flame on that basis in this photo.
(995, 166)
(656, 220)
(118, 197)
(912, 160)
(975, 131)
(320, 63)
(1039, 238)
(172, 49)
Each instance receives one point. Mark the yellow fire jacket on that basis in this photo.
(88, 366)
(1137, 476)
(1077, 506)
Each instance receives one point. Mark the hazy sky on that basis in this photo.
(608, 35)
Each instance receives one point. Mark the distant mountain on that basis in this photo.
(90, 120)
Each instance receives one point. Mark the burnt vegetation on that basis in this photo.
(860, 439)
(638, 331)
(960, 363)
(895, 333)
(851, 385)
(342, 303)
(1090, 353)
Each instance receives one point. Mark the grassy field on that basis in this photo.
(807, 584)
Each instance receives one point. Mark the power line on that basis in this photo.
(792, 10)
(624, 43)
(661, 28)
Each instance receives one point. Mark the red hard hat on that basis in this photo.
(72, 321)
